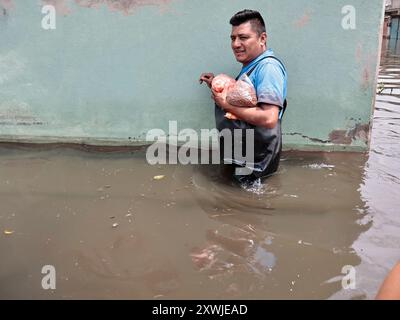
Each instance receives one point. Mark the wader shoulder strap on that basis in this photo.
(251, 71)
(272, 57)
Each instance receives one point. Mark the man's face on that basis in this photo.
(246, 43)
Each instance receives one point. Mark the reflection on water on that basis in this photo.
(113, 231)
(292, 239)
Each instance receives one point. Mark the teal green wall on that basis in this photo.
(107, 76)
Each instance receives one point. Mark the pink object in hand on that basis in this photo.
(239, 93)
(221, 81)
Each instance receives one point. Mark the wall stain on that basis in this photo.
(366, 77)
(340, 137)
(5, 123)
(61, 6)
(304, 20)
(17, 113)
(127, 7)
(366, 61)
(6, 5)
(359, 132)
(359, 53)
(19, 121)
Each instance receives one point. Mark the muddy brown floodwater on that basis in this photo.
(113, 231)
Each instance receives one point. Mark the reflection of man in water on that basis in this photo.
(268, 75)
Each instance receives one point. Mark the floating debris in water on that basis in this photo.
(305, 243)
(171, 203)
(158, 177)
(291, 195)
(115, 225)
(250, 227)
(8, 232)
(333, 280)
(318, 166)
(221, 215)
(380, 87)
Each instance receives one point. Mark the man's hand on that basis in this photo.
(220, 98)
(207, 78)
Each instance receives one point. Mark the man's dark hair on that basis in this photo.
(255, 18)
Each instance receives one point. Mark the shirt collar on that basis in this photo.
(266, 53)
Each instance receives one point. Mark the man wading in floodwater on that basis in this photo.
(268, 76)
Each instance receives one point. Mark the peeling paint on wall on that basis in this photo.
(125, 6)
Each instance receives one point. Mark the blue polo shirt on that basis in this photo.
(269, 79)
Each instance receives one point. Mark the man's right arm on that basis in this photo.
(207, 78)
